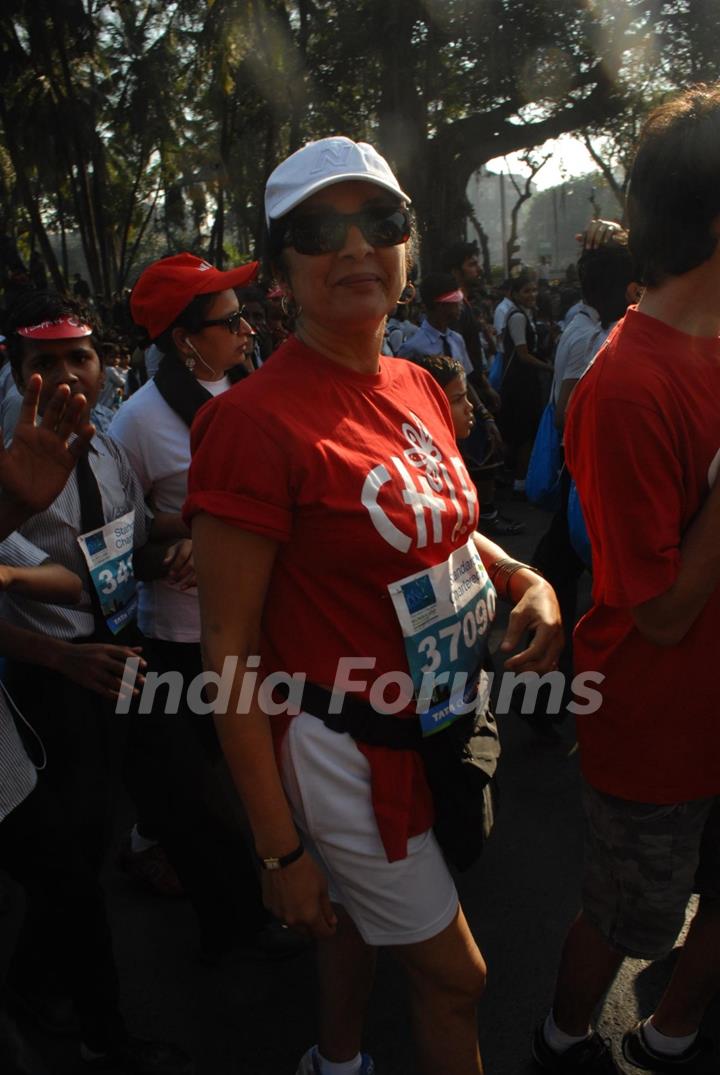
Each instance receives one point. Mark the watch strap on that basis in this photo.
(279, 863)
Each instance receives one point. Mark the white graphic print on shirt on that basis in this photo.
(440, 488)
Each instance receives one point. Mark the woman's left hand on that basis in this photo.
(536, 612)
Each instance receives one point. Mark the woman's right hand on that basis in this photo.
(298, 896)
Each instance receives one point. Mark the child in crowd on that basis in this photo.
(190, 310)
(450, 375)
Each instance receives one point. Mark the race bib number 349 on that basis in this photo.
(108, 552)
(445, 614)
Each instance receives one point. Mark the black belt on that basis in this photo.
(361, 721)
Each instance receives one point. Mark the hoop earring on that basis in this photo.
(410, 291)
(285, 307)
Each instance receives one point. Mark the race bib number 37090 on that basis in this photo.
(445, 613)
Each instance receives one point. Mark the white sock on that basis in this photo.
(347, 1067)
(557, 1039)
(663, 1043)
(139, 843)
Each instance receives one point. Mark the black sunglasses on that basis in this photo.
(231, 323)
(325, 233)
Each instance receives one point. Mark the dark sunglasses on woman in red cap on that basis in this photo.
(167, 286)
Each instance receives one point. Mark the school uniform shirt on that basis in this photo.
(359, 479)
(642, 442)
(157, 443)
(7, 380)
(10, 412)
(516, 324)
(52, 534)
(502, 309)
(577, 346)
(429, 341)
(18, 775)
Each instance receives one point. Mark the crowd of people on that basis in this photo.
(301, 481)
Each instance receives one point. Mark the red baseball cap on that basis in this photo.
(169, 285)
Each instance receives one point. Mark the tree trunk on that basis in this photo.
(63, 234)
(217, 253)
(29, 201)
(138, 239)
(70, 119)
(127, 223)
(483, 240)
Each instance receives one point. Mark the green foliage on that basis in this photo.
(147, 126)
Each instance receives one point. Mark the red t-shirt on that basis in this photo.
(643, 445)
(359, 478)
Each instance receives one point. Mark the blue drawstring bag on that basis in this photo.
(579, 538)
(495, 373)
(542, 481)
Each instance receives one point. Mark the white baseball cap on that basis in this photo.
(320, 164)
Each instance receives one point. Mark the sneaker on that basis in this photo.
(151, 868)
(590, 1057)
(696, 1058)
(139, 1057)
(309, 1065)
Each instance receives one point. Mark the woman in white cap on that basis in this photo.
(333, 523)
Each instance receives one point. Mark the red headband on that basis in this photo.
(65, 328)
(450, 296)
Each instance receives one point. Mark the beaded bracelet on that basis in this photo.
(506, 569)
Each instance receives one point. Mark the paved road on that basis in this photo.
(257, 1019)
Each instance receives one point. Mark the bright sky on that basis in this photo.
(569, 158)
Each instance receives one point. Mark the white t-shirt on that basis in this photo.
(157, 443)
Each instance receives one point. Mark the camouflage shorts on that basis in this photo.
(642, 863)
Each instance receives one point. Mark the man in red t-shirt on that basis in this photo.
(643, 444)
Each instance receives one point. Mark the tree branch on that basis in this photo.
(476, 139)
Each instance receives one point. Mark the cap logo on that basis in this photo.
(332, 157)
(204, 266)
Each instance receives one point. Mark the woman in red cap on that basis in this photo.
(189, 309)
(329, 501)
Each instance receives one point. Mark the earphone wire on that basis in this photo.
(43, 764)
(192, 346)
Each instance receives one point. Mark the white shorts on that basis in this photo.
(327, 781)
